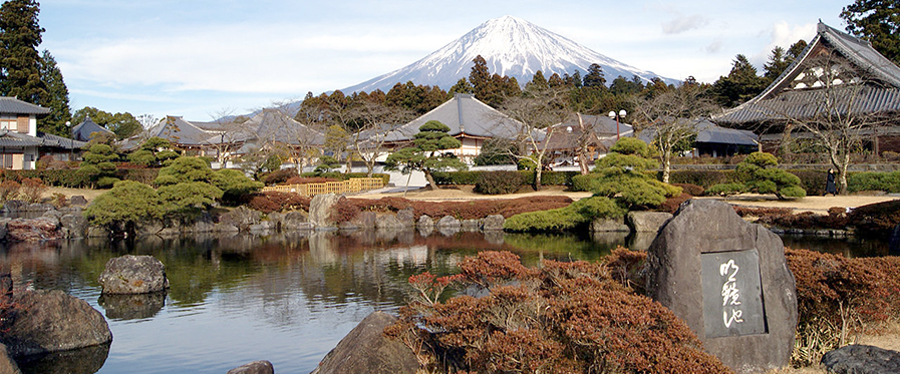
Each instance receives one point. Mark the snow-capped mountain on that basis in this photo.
(512, 47)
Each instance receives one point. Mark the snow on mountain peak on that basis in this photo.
(511, 46)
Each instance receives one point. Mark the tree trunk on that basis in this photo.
(430, 179)
(667, 165)
(537, 177)
(842, 169)
(370, 168)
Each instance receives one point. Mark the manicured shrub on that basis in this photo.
(560, 318)
(579, 213)
(758, 173)
(624, 175)
(499, 182)
(347, 209)
(234, 185)
(702, 178)
(874, 181)
(726, 189)
(127, 203)
(279, 176)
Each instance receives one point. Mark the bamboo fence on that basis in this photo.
(312, 189)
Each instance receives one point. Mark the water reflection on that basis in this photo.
(284, 298)
(126, 307)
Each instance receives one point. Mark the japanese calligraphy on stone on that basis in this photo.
(732, 295)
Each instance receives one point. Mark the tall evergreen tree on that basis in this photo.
(877, 21)
(20, 34)
(594, 77)
(777, 63)
(741, 84)
(480, 78)
(57, 99)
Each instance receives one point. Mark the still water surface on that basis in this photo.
(287, 298)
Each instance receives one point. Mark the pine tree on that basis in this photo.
(877, 21)
(480, 78)
(20, 34)
(741, 84)
(538, 82)
(57, 99)
(594, 77)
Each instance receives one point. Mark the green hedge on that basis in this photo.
(73, 179)
(873, 181)
(548, 178)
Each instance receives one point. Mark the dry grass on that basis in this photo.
(88, 194)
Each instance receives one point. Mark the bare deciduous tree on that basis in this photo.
(832, 108)
(671, 117)
(536, 111)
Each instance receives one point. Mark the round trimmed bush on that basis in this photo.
(499, 182)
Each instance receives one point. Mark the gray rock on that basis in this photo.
(447, 222)
(470, 225)
(388, 221)
(364, 220)
(295, 221)
(76, 361)
(52, 321)
(3, 228)
(241, 217)
(261, 228)
(648, 221)
(133, 275)
(78, 200)
(32, 230)
(862, 359)
(407, 217)
(40, 207)
(226, 228)
(255, 367)
(366, 350)
(320, 209)
(702, 235)
(97, 232)
(7, 364)
(12, 206)
(425, 223)
(75, 225)
(493, 222)
(609, 225)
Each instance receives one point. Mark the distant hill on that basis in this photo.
(512, 47)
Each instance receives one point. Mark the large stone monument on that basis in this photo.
(728, 279)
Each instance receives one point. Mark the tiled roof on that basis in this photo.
(83, 130)
(464, 115)
(781, 100)
(709, 132)
(16, 139)
(16, 106)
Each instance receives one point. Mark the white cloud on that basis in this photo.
(681, 24)
(782, 34)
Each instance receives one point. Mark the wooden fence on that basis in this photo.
(312, 189)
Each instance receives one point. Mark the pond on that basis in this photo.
(284, 298)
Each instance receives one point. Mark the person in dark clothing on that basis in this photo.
(829, 183)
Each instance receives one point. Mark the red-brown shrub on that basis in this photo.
(32, 189)
(268, 202)
(279, 176)
(624, 266)
(560, 318)
(690, 189)
(672, 204)
(837, 296)
(9, 190)
(876, 219)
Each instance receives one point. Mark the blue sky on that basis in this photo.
(199, 59)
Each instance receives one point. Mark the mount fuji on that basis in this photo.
(512, 47)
